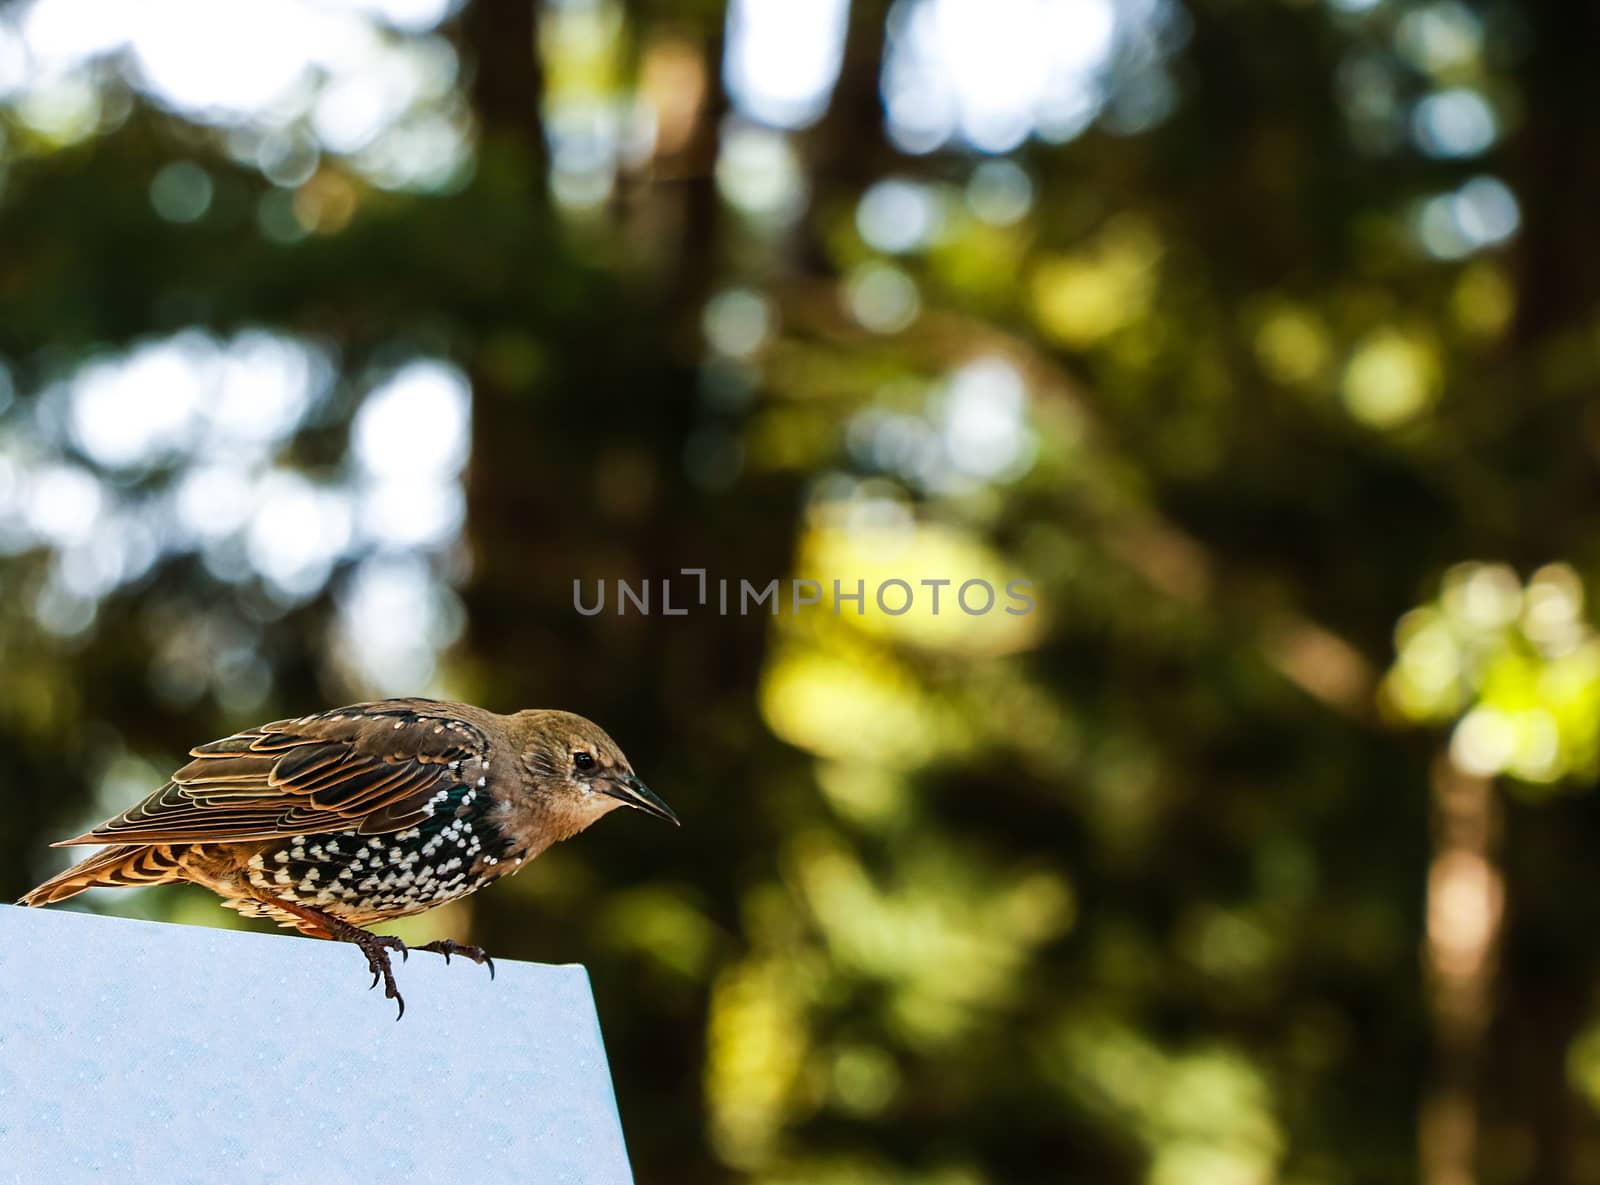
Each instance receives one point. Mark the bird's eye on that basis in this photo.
(583, 760)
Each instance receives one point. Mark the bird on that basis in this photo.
(334, 821)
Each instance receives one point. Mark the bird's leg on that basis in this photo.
(375, 946)
(449, 946)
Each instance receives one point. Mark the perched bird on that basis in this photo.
(331, 822)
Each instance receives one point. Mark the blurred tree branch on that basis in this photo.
(508, 83)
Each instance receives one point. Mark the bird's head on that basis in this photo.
(578, 771)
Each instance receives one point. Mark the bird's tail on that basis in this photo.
(118, 865)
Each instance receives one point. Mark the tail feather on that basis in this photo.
(124, 865)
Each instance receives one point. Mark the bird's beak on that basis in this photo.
(631, 791)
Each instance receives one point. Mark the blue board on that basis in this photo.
(136, 1051)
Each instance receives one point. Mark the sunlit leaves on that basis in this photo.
(1583, 1064)
(1391, 377)
(1516, 666)
(818, 700)
(1203, 1115)
(662, 926)
(1292, 343)
(756, 1049)
(949, 937)
(1083, 297)
(912, 593)
(1483, 301)
(941, 943)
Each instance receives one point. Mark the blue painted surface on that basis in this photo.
(141, 1051)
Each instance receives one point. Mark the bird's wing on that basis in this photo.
(371, 768)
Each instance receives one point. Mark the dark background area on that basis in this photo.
(338, 341)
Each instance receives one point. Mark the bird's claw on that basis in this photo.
(377, 947)
(448, 947)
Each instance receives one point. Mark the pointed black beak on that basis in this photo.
(631, 791)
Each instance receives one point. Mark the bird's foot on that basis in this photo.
(377, 947)
(449, 946)
(321, 924)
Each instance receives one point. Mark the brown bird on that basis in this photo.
(331, 822)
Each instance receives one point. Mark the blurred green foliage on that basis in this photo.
(1271, 365)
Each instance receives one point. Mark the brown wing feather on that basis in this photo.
(122, 865)
(368, 767)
